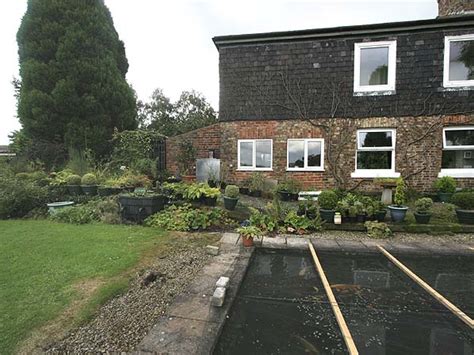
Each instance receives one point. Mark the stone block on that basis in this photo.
(223, 282)
(274, 243)
(217, 299)
(212, 250)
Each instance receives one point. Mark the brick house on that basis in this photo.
(339, 107)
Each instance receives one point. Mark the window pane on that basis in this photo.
(246, 153)
(462, 137)
(374, 66)
(314, 153)
(296, 154)
(374, 160)
(264, 154)
(457, 159)
(461, 60)
(375, 139)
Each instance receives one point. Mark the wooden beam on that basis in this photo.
(440, 298)
(335, 307)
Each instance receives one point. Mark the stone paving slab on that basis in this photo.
(351, 246)
(230, 238)
(274, 242)
(297, 243)
(325, 244)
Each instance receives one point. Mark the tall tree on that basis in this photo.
(72, 65)
(190, 111)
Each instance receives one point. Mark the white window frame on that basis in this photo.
(306, 167)
(457, 172)
(447, 49)
(254, 155)
(376, 173)
(392, 67)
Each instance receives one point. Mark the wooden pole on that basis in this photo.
(335, 307)
(440, 298)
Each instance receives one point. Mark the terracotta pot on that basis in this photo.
(188, 178)
(247, 242)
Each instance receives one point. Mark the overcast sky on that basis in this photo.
(169, 46)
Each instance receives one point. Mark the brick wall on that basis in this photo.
(203, 139)
(454, 7)
(413, 155)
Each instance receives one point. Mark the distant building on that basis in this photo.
(5, 151)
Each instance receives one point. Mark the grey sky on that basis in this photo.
(169, 45)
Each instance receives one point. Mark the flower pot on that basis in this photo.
(327, 215)
(108, 191)
(210, 201)
(188, 178)
(465, 216)
(244, 190)
(89, 190)
(256, 193)
(55, 206)
(247, 242)
(230, 203)
(360, 218)
(380, 215)
(74, 189)
(352, 219)
(444, 196)
(422, 218)
(293, 197)
(137, 208)
(284, 195)
(398, 213)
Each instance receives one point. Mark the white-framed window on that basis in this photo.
(458, 61)
(458, 152)
(375, 155)
(255, 154)
(305, 154)
(375, 66)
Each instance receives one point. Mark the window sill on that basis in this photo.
(375, 93)
(374, 174)
(291, 170)
(457, 173)
(254, 169)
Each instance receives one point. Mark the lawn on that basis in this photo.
(42, 263)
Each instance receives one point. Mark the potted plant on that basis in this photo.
(464, 202)
(257, 182)
(446, 187)
(352, 213)
(399, 210)
(247, 233)
(89, 184)
(210, 195)
(110, 187)
(283, 191)
(186, 159)
(380, 211)
(360, 211)
(74, 184)
(231, 197)
(244, 188)
(327, 202)
(423, 210)
(213, 177)
(137, 206)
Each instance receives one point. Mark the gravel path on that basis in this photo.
(123, 321)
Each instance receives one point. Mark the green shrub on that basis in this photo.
(132, 180)
(18, 197)
(463, 200)
(89, 179)
(445, 184)
(75, 215)
(423, 205)
(249, 232)
(73, 179)
(231, 191)
(263, 221)
(59, 178)
(211, 192)
(400, 193)
(299, 224)
(328, 200)
(96, 210)
(377, 230)
(257, 182)
(289, 185)
(185, 218)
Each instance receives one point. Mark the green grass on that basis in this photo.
(40, 261)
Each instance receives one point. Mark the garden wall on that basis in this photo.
(206, 140)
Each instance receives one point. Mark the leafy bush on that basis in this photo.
(231, 191)
(463, 200)
(263, 221)
(445, 184)
(378, 230)
(18, 197)
(60, 178)
(186, 157)
(73, 179)
(89, 179)
(106, 211)
(327, 200)
(185, 218)
(400, 193)
(423, 205)
(298, 224)
(130, 179)
(289, 185)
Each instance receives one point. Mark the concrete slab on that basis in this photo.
(230, 238)
(192, 306)
(325, 244)
(408, 248)
(274, 242)
(352, 246)
(297, 243)
(371, 245)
